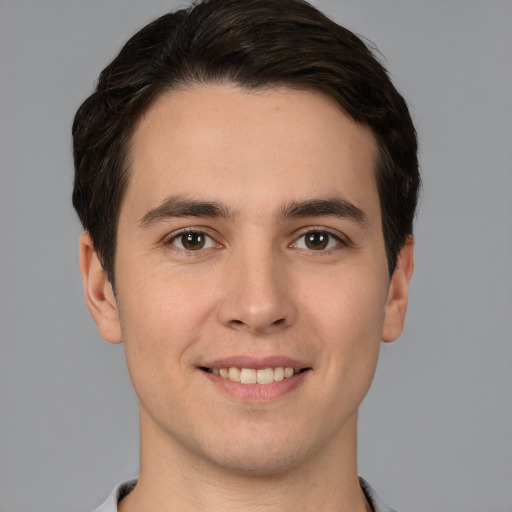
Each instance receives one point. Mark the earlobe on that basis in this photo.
(398, 295)
(99, 294)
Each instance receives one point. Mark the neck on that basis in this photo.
(173, 478)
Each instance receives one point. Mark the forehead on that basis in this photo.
(245, 147)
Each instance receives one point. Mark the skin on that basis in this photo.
(255, 289)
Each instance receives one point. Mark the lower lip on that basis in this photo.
(257, 392)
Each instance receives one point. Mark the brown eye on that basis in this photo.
(192, 241)
(317, 240)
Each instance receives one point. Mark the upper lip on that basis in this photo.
(256, 363)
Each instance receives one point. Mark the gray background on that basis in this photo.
(436, 427)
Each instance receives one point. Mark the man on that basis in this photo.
(247, 177)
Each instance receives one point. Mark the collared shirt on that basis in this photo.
(110, 505)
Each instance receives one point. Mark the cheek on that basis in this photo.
(158, 323)
(350, 304)
(157, 306)
(350, 323)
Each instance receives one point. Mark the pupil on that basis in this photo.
(193, 241)
(317, 240)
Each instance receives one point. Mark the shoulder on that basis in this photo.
(119, 492)
(373, 498)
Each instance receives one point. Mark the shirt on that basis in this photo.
(123, 489)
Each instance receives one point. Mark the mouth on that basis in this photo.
(253, 375)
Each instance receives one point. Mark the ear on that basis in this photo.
(99, 294)
(398, 295)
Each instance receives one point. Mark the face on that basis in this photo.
(252, 283)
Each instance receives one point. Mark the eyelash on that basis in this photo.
(340, 241)
(190, 231)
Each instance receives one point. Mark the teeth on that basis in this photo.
(252, 376)
(234, 374)
(278, 374)
(265, 376)
(247, 376)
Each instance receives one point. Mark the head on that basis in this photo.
(247, 176)
(256, 45)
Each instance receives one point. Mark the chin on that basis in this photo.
(254, 463)
(259, 454)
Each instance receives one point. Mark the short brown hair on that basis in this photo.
(254, 44)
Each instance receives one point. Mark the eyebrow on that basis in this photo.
(335, 206)
(179, 206)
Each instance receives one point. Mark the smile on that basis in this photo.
(255, 376)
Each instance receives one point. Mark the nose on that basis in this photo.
(258, 295)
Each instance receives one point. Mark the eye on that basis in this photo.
(192, 241)
(317, 241)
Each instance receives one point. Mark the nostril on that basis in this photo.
(276, 324)
(243, 313)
